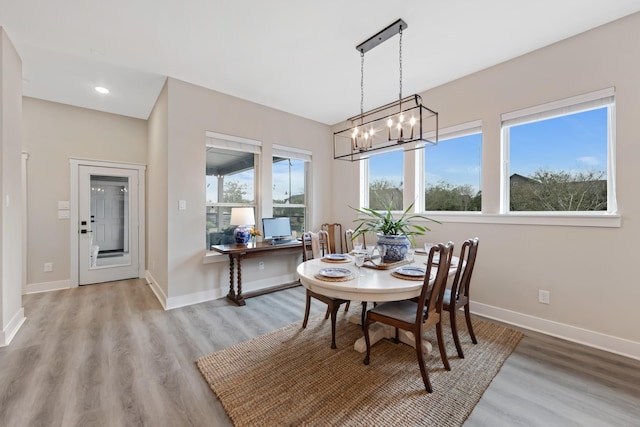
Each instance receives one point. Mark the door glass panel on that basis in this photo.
(109, 221)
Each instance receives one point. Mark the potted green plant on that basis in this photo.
(395, 234)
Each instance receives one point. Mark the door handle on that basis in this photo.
(85, 231)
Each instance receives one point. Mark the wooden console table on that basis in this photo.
(237, 252)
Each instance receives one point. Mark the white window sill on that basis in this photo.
(211, 257)
(538, 218)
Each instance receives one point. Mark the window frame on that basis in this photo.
(294, 154)
(550, 110)
(364, 176)
(450, 132)
(235, 143)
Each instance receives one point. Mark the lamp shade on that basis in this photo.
(242, 216)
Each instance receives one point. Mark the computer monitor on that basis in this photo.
(276, 228)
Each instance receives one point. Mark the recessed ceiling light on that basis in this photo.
(102, 90)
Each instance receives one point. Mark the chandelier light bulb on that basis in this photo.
(389, 122)
(412, 121)
(401, 118)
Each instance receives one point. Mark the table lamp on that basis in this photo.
(242, 217)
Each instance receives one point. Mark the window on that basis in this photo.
(384, 176)
(290, 171)
(452, 170)
(558, 156)
(230, 182)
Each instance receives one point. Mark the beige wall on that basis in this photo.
(11, 214)
(192, 111)
(53, 133)
(590, 271)
(157, 184)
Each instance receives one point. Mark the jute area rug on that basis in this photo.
(292, 377)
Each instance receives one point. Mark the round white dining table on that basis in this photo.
(367, 285)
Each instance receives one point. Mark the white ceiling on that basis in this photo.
(296, 56)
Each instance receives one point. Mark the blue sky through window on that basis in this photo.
(387, 166)
(571, 143)
(456, 161)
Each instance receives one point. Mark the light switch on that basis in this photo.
(182, 205)
(63, 214)
(63, 204)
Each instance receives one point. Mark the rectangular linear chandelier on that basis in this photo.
(397, 123)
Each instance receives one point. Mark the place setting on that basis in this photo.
(436, 256)
(334, 274)
(336, 258)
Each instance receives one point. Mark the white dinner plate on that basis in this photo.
(334, 272)
(337, 257)
(410, 271)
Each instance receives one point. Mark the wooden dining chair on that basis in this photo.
(419, 316)
(348, 240)
(333, 304)
(334, 231)
(458, 296)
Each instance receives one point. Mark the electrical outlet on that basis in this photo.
(261, 265)
(48, 266)
(543, 296)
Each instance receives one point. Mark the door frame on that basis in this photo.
(74, 224)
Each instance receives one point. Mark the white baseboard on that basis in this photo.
(34, 288)
(156, 289)
(193, 298)
(7, 334)
(612, 344)
(256, 285)
(169, 303)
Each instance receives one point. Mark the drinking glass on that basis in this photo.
(382, 249)
(427, 247)
(357, 247)
(359, 260)
(409, 256)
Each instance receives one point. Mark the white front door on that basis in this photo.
(108, 223)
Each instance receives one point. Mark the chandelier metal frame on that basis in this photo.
(400, 122)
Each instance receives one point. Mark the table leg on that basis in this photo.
(232, 295)
(379, 331)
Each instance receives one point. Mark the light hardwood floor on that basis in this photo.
(108, 355)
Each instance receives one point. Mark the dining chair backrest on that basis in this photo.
(462, 279)
(318, 244)
(348, 239)
(431, 297)
(334, 232)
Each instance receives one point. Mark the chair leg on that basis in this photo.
(443, 350)
(365, 328)
(454, 330)
(423, 367)
(363, 316)
(327, 313)
(467, 316)
(346, 307)
(334, 313)
(306, 311)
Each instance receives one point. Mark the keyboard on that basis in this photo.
(283, 242)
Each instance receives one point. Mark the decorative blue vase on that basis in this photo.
(241, 234)
(396, 246)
